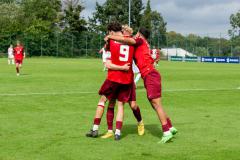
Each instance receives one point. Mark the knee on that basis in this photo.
(154, 104)
(133, 105)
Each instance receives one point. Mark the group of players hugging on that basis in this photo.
(120, 54)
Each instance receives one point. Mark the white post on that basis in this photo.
(129, 13)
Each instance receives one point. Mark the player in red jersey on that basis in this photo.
(19, 55)
(118, 85)
(151, 77)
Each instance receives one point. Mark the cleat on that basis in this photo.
(117, 137)
(166, 138)
(18, 74)
(92, 133)
(173, 130)
(107, 135)
(141, 128)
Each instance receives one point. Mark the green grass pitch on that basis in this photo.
(45, 113)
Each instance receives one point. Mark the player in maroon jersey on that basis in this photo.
(151, 77)
(119, 84)
(19, 55)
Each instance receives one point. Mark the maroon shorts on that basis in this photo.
(152, 83)
(17, 61)
(121, 92)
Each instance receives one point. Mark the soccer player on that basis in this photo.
(128, 31)
(118, 85)
(10, 55)
(151, 77)
(155, 54)
(19, 55)
(105, 55)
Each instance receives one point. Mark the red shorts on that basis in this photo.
(152, 83)
(121, 92)
(18, 61)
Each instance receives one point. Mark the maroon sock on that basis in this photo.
(17, 69)
(110, 117)
(165, 128)
(97, 121)
(169, 123)
(137, 114)
(119, 125)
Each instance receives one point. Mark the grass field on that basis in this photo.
(45, 113)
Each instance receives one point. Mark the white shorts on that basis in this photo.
(10, 56)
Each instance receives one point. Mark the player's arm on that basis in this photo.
(112, 66)
(126, 40)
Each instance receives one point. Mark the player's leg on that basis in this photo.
(9, 61)
(119, 120)
(17, 68)
(168, 129)
(110, 117)
(152, 83)
(137, 114)
(98, 116)
(12, 60)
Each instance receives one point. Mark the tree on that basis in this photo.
(158, 27)
(115, 10)
(235, 23)
(147, 17)
(73, 22)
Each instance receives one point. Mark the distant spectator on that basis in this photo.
(10, 55)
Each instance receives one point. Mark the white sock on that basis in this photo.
(167, 133)
(118, 132)
(110, 131)
(95, 127)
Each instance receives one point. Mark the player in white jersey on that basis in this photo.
(155, 54)
(10, 55)
(105, 55)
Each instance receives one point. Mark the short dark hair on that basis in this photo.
(114, 26)
(145, 32)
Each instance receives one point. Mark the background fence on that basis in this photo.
(88, 44)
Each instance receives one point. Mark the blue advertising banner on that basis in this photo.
(220, 59)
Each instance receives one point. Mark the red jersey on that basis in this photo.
(120, 55)
(143, 57)
(18, 53)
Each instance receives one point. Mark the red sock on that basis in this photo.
(169, 123)
(119, 125)
(165, 128)
(137, 114)
(97, 121)
(110, 117)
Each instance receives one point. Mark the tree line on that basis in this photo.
(59, 28)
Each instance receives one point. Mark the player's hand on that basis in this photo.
(106, 38)
(126, 67)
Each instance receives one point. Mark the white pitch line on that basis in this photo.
(95, 92)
